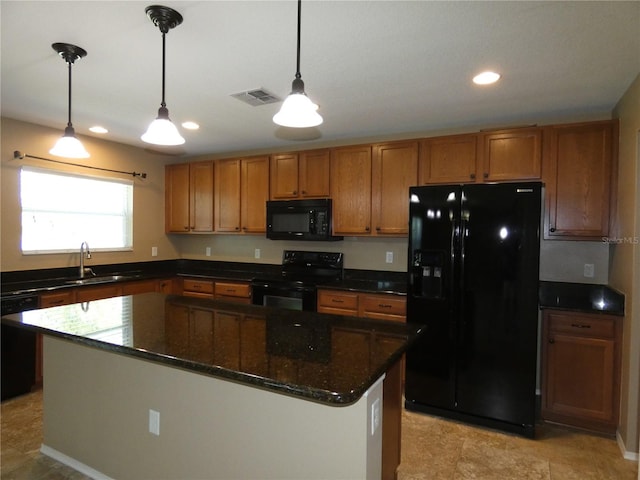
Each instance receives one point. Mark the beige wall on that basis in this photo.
(148, 196)
(625, 260)
(96, 409)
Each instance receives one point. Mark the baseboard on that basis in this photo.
(73, 463)
(626, 453)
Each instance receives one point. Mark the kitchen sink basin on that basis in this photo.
(101, 279)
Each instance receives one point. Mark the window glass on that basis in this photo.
(62, 210)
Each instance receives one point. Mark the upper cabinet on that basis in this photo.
(512, 155)
(241, 192)
(189, 197)
(254, 193)
(394, 170)
(300, 175)
(351, 190)
(578, 179)
(449, 159)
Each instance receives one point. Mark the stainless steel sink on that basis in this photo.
(100, 279)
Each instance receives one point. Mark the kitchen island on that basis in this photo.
(162, 386)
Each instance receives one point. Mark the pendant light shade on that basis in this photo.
(68, 145)
(297, 110)
(162, 131)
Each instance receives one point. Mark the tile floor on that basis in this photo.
(432, 448)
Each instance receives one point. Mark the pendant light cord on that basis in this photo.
(163, 104)
(298, 75)
(69, 116)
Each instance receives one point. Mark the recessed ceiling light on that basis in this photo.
(190, 125)
(98, 129)
(486, 78)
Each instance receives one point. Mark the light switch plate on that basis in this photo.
(589, 270)
(375, 415)
(154, 422)
(154, 251)
(389, 257)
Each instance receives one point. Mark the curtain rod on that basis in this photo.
(20, 155)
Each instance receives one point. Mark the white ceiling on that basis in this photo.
(374, 67)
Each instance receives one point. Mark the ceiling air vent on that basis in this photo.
(257, 97)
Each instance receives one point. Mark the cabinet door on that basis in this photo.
(201, 211)
(448, 159)
(351, 190)
(512, 155)
(284, 176)
(55, 299)
(86, 294)
(254, 194)
(581, 370)
(394, 170)
(177, 198)
(383, 307)
(579, 181)
(314, 167)
(142, 286)
(227, 195)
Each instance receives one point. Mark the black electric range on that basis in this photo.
(296, 286)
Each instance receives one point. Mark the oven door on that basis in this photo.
(290, 295)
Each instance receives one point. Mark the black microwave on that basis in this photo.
(300, 220)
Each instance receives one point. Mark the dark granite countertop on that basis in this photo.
(581, 297)
(330, 359)
(37, 281)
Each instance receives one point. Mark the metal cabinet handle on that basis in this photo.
(486, 175)
(384, 305)
(472, 176)
(295, 192)
(552, 229)
(580, 325)
(551, 340)
(303, 192)
(337, 300)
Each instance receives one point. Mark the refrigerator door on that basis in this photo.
(497, 338)
(433, 286)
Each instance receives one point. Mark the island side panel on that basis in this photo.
(96, 411)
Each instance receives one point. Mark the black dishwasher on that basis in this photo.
(18, 349)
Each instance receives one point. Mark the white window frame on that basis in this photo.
(127, 215)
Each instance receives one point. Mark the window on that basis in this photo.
(62, 210)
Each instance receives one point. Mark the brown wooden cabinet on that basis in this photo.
(254, 193)
(140, 286)
(54, 299)
(382, 306)
(394, 170)
(233, 291)
(189, 197)
(351, 190)
(581, 369)
(241, 190)
(227, 195)
(300, 175)
(450, 159)
(339, 302)
(578, 178)
(512, 155)
(201, 288)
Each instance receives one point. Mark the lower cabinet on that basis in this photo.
(383, 306)
(581, 369)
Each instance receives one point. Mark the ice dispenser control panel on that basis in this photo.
(427, 273)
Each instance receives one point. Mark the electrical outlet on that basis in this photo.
(154, 251)
(154, 422)
(207, 251)
(375, 415)
(588, 270)
(389, 257)
(256, 253)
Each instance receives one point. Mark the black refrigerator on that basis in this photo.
(473, 283)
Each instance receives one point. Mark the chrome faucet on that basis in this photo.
(84, 250)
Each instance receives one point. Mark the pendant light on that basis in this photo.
(68, 145)
(162, 131)
(298, 110)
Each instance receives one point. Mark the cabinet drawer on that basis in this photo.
(227, 289)
(55, 299)
(584, 325)
(385, 304)
(199, 286)
(341, 300)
